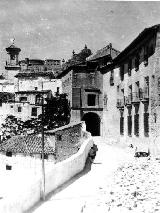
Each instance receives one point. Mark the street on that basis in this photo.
(88, 185)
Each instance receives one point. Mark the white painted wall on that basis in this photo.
(28, 195)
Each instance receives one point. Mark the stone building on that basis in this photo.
(83, 83)
(132, 87)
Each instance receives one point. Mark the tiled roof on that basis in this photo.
(108, 50)
(31, 144)
(35, 74)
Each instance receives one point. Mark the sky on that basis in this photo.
(54, 28)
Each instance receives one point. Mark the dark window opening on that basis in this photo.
(91, 100)
(19, 109)
(45, 156)
(136, 124)
(129, 125)
(129, 67)
(59, 137)
(0, 102)
(122, 125)
(146, 124)
(23, 99)
(137, 63)
(122, 72)
(36, 88)
(9, 154)
(34, 111)
(112, 78)
(8, 167)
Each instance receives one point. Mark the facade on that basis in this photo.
(136, 76)
(82, 82)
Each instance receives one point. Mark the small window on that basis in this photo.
(59, 137)
(9, 154)
(45, 156)
(19, 109)
(23, 99)
(34, 111)
(122, 72)
(91, 99)
(8, 167)
(11, 106)
(36, 88)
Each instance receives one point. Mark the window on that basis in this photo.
(9, 154)
(91, 99)
(34, 111)
(76, 97)
(121, 125)
(129, 125)
(8, 167)
(59, 137)
(19, 109)
(112, 78)
(137, 63)
(122, 72)
(146, 56)
(23, 99)
(11, 106)
(146, 124)
(45, 156)
(129, 67)
(36, 88)
(136, 124)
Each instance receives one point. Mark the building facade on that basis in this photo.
(136, 74)
(83, 83)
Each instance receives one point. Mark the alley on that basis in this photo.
(87, 186)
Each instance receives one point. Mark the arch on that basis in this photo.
(92, 121)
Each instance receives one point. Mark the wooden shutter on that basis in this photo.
(76, 97)
(121, 125)
(136, 124)
(146, 124)
(129, 125)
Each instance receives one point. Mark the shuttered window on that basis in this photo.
(136, 124)
(129, 118)
(146, 124)
(121, 125)
(76, 97)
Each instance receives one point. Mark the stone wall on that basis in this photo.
(68, 139)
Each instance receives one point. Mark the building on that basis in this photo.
(83, 83)
(131, 84)
(24, 154)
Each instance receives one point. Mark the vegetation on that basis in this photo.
(56, 114)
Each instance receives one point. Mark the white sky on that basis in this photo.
(53, 28)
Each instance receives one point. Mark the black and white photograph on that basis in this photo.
(79, 106)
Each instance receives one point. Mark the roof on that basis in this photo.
(146, 32)
(13, 48)
(31, 144)
(106, 51)
(35, 74)
(33, 91)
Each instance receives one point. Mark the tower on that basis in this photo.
(12, 64)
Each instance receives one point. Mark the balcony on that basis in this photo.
(135, 97)
(120, 103)
(145, 95)
(128, 100)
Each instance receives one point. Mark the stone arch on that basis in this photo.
(92, 121)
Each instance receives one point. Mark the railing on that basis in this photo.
(135, 97)
(128, 100)
(120, 103)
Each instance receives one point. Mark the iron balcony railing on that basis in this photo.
(128, 100)
(120, 102)
(135, 97)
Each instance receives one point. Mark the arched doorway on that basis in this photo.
(92, 121)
